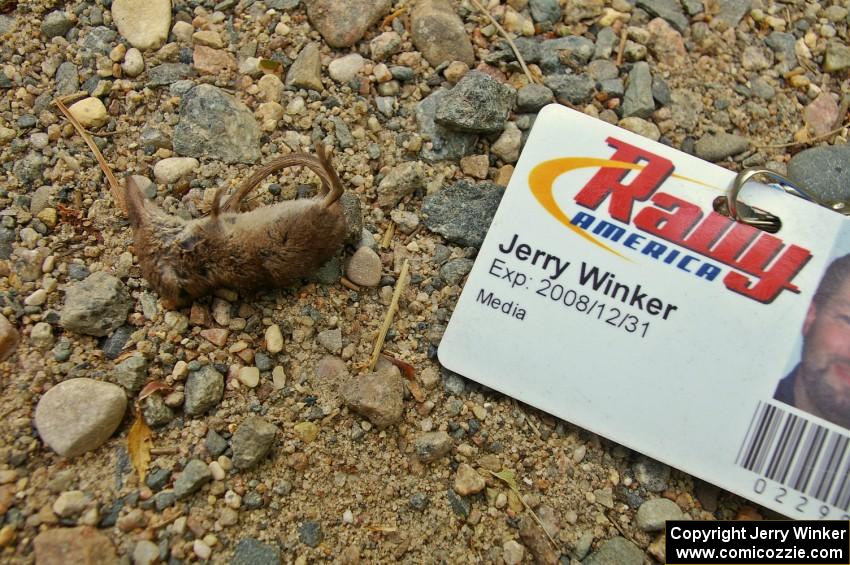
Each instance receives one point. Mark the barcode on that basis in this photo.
(798, 454)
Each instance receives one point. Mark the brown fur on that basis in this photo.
(269, 247)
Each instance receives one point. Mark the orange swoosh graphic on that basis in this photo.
(541, 181)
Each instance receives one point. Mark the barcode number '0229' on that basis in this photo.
(799, 502)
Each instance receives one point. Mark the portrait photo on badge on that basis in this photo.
(818, 380)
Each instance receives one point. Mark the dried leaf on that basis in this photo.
(508, 476)
(406, 369)
(152, 387)
(270, 65)
(139, 443)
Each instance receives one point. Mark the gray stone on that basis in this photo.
(653, 514)
(454, 270)
(613, 87)
(250, 551)
(577, 89)
(431, 446)
(438, 33)
(215, 444)
(96, 306)
(651, 474)
(252, 441)
(157, 479)
(602, 69)
(344, 139)
(155, 412)
(533, 97)
(459, 505)
(216, 125)
(502, 52)
(670, 10)
(168, 73)
(56, 24)
(145, 553)
(638, 100)
(378, 396)
(204, 389)
(606, 41)
(351, 209)
(131, 373)
(67, 79)
(331, 340)
(7, 24)
(837, 57)
(685, 108)
(478, 104)
(463, 211)
(99, 41)
(306, 71)
(444, 143)
(661, 91)
(782, 44)
(823, 172)
(545, 11)
(310, 533)
(164, 499)
(762, 88)
(342, 24)
(719, 146)
(509, 143)
(195, 474)
(616, 551)
(403, 179)
(29, 169)
(582, 546)
(572, 51)
(79, 415)
(693, 7)
(732, 11)
(419, 501)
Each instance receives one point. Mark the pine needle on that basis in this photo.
(388, 320)
(115, 188)
(507, 38)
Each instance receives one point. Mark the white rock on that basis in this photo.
(345, 68)
(41, 335)
(209, 38)
(79, 415)
(249, 376)
(507, 146)
(71, 503)
(641, 127)
(182, 31)
(173, 169)
(364, 268)
(274, 339)
(9, 338)
(278, 377)
(201, 549)
(145, 553)
(513, 552)
(37, 298)
(134, 63)
(144, 24)
(270, 88)
(90, 112)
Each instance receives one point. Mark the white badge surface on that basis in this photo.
(609, 293)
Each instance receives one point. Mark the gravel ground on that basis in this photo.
(272, 441)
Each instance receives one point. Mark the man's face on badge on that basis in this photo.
(825, 364)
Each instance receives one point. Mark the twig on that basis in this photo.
(793, 143)
(624, 34)
(619, 528)
(388, 320)
(527, 419)
(164, 451)
(348, 284)
(507, 37)
(508, 478)
(388, 236)
(117, 193)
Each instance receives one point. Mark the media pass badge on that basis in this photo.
(610, 293)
